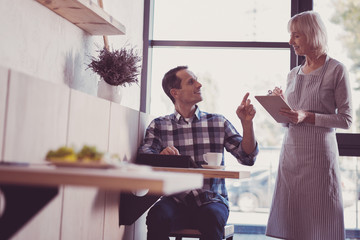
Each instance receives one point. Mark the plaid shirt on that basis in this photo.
(200, 134)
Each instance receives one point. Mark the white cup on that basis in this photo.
(213, 158)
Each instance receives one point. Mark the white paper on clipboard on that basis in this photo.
(272, 105)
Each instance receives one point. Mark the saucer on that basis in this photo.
(212, 167)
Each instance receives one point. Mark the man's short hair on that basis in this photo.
(170, 80)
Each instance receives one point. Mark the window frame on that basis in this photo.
(149, 43)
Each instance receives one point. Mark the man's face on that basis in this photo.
(190, 92)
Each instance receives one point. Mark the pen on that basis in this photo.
(276, 89)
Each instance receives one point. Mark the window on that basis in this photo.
(228, 20)
(343, 47)
(234, 47)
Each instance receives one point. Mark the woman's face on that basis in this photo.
(299, 43)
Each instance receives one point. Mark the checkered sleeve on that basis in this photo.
(232, 143)
(152, 140)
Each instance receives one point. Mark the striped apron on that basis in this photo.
(307, 201)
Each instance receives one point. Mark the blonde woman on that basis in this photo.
(307, 202)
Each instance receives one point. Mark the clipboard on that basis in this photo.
(272, 105)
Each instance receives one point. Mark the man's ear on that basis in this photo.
(174, 92)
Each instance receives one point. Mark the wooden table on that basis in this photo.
(28, 188)
(118, 179)
(208, 173)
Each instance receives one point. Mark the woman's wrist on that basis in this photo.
(309, 117)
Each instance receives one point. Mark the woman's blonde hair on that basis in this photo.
(310, 24)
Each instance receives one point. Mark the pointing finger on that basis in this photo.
(245, 99)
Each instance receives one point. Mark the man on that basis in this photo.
(191, 132)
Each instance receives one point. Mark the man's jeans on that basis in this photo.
(168, 215)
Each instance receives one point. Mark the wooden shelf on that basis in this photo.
(86, 15)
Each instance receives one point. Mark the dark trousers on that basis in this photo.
(168, 215)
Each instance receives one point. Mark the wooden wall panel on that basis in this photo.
(46, 224)
(88, 121)
(123, 134)
(140, 228)
(112, 230)
(123, 141)
(3, 91)
(83, 211)
(144, 121)
(36, 122)
(37, 118)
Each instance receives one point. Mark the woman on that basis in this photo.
(307, 202)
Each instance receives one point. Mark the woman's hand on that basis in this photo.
(298, 116)
(277, 92)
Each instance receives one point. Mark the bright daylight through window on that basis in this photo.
(341, 20)
(227, 73)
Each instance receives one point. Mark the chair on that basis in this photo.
(194, 233)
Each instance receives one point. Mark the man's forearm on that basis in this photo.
(248, 143)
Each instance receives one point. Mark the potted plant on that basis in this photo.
(116, 68)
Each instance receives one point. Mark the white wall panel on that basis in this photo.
(144, 121)
(123, 138)
(36, 122)
(112, 230)
(123, 141)
(140, 224)
(46, 224)
(3, 91)
(37, 118)
(88, 121)
(83, 213)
